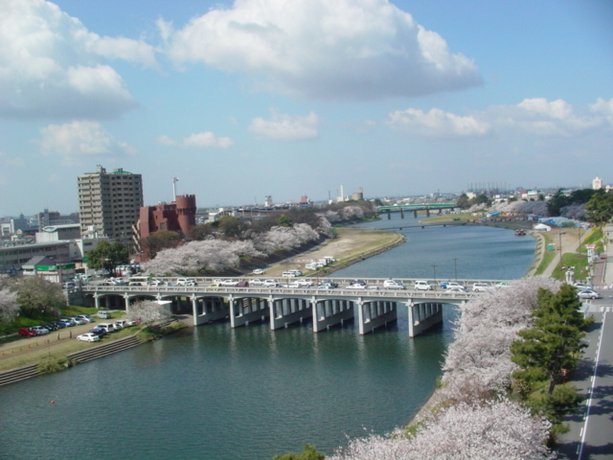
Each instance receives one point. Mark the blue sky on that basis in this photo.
(245, 99)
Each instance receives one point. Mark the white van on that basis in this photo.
(108, 327)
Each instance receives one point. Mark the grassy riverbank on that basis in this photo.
(351, 245)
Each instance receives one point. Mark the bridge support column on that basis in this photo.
(423, 317)
(97, 301)
(246, 310)
(284, 312)
(327, 313)
(126, 299)
(375, 314)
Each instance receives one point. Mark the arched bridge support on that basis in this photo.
(375, 314)
(245, 310)
(208, 309)
(330, 312)
(423, 316)
(286, 311)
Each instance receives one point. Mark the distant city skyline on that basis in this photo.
(241, 100)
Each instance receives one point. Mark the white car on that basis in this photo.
(423, 285)
(454, 286)
(88, 337)
(392, 284)
(228, 282)
(270, 283)
(302, 283)
(481, 287)
(588, 294)
(186, 282)
(258, 271)
(357, 284)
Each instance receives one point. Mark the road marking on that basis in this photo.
(589, 401)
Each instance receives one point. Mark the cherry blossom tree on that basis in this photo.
(198, 256)
(495, 429)
(9, 308)
(148, 311)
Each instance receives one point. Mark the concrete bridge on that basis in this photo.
(415, 208)
(369, 303)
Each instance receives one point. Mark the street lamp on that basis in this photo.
(560, 239)
(434, 272)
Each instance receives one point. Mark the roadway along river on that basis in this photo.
(247, 393)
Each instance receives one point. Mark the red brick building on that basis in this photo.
(179, 216)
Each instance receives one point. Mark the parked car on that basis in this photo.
(108, 327)
(99, 331)
(392, 284)
(422, 285)
(588, 294)
(104, 314)
(69, 285)
(40, 330)
(291, 273)
(120, 324)
(582, 286)
(84, 318)
(69, 322)
(26, 332)
(78, 320)
(51, 326)
(88, 337)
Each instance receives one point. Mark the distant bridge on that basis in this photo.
(371, 306)
(416, 207)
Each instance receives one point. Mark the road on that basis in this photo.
(591, 430)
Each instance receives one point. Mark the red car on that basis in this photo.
(27, 332)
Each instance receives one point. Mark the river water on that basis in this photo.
(249, 393)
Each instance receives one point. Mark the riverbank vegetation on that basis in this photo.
(500, 394)
(235, 245)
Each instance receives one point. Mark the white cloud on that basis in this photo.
(437, 123)
(52, 66)
(207, 139)
(286, 127)
(81, 138)
(533, 116)
(359, 49)
(604, 109)
(165, 140)
(546, 118)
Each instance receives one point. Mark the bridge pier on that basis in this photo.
(330, 312)
(375, 314)
(284, 312)
(423, 316)
(246, 310)
(209, 309)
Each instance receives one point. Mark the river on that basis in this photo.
(249, 393)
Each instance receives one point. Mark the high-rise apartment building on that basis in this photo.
(109, 203)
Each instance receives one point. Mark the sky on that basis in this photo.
(248, 98)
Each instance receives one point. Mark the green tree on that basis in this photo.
(285, 221)
(308, 453)
(108, 255)
(201, 231)
(463, 202)
(231, 227)
(162, 239)
(37, 297)
(547, 351)
(600, 207)
(557, 202)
